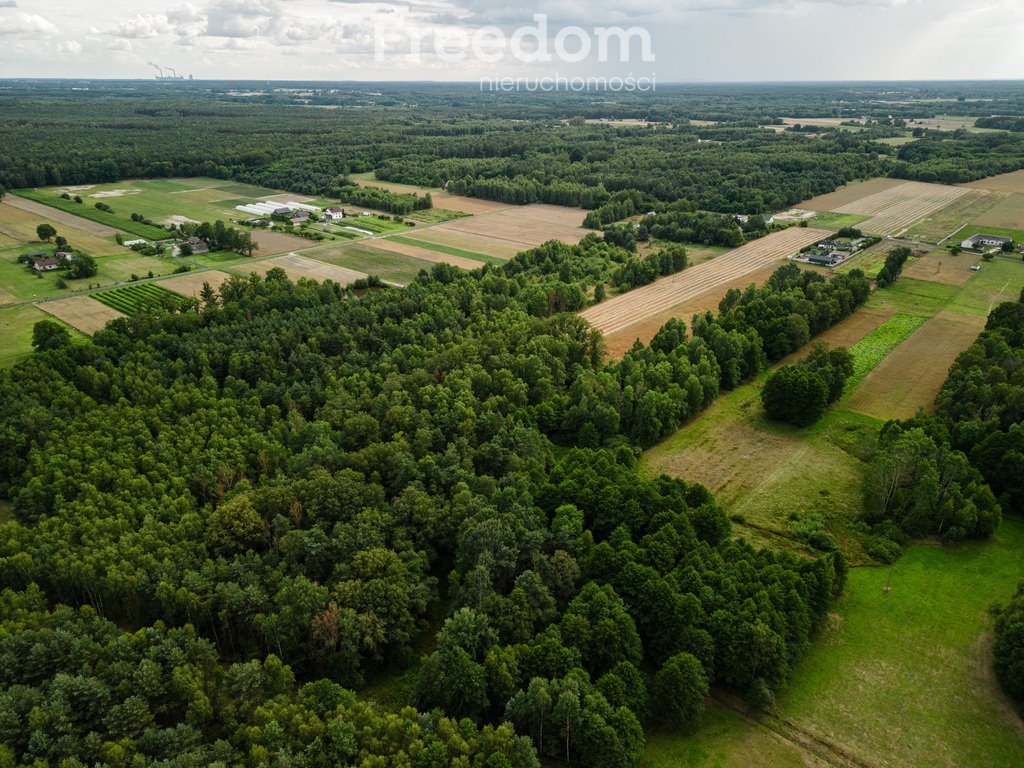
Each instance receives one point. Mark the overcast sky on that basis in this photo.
(690, 40)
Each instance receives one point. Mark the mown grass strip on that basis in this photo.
(876, 346)
(448, 249)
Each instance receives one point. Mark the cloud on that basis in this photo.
(142, 27)
(26, 24)
(70, 47)
(242, 18)
(119, 45)
(8, 4)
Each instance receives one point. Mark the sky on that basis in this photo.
(450, 40)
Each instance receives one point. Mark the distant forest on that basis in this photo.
(513, 148)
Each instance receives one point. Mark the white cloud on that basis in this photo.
(8, 4)
(26, 24)
(119, 45)
(142, 27)
(70, 47)
(242, 18)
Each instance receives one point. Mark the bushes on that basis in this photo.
(894, 262)
(796, 395)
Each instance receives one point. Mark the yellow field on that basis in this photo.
(81, 312)
(524, 226)
(1006, 182)
(640, 304)
(849, 193)
(298, 267)
(60, 219)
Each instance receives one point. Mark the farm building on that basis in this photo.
(334, 214)
(300, 218)
(823, 259)
(198, 246)
(46, 265)
(981, 240)
(281, 211)
(37, 255)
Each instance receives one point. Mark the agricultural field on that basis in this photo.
(523, 227)
(138, 298)
(299, 267)
(888, 392)
(393, 268)
(898, 679)
(974, 229)
(628, 309)
(829, 220)
(849, 193)
(165, 201)
(427, 252)
(81, 312)
(940, 266)
(1006, 213)
(191, 283)
(272, 243)
(18, 227)
(475, 243)
(876, 346)
(943, 223)
(894, 210)
(447, 249)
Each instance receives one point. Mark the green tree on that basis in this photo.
(45, 232)
(796, 395)
(679, 690)
(49, 334)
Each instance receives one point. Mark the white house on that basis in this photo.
(981, 240)
(334, 214)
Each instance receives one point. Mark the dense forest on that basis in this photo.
(521, 152)
(216, 511)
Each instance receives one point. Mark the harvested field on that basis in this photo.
(441, 199)
(393, 268)
(19, 226)
(299, 266)
(1005, 182)
(850, 193)
(191, 283)
(889, 392)
(273, 243)
(894, 210)
(476, 243)
(425, 254)
(524, 226)
(939, 266)
(940, 225)
(53, 214)
(81, 312)
(640, 304)
(619, 343)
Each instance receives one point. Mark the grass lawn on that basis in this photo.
(388, 266)
(120, 219)
(998, 280)
(448, 249)
(16, 325)
(916, 297)
(836, 221)
(978, 229)
(899, 680)
(435, 215)
(218, 259)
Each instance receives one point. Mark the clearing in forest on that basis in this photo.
(627, 309)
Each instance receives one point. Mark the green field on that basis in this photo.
(199, 199)
(120, 219)
(978, 229)
(875, 347)
(16, 325)
(917, 297)
(139, 298)
(389, 267)
(900, 679)
(836, 221)
(448, 249)
(373, 224)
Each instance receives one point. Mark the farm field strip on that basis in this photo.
(56, 214)
(446, 249)
(525, 226)
(81, 312)
(891, 391)
(425, 253)
(876, 346)
(1004, 182)
(849, 193)
(475, 243)
(191, 283)
(635, 306)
